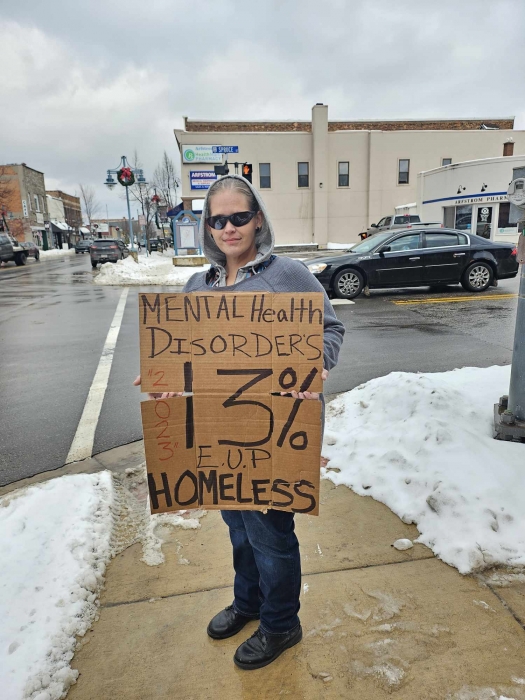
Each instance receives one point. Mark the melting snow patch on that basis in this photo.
(403, 544)
(422, 444)
(386, 673)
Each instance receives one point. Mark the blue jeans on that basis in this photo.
(267, 567)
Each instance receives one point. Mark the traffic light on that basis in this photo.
(247, 171)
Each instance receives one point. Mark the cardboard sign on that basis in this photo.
(235, 442)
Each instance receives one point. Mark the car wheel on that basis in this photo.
(477, 277)
(93, 265)
(21, 259)
(348, 284)
(37, 257)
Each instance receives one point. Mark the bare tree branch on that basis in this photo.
(89, 201)
(7, 187)
(166, 182)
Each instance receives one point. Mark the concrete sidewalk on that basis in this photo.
(377, 622)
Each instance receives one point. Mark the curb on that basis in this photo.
(116, 460)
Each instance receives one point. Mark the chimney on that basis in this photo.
(508, 148)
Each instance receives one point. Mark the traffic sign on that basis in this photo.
(225, 149)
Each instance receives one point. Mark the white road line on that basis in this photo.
(82, 445)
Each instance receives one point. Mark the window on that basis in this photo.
(410, 242)
(37, 203)
(403, 172)
(407, 219)
(443, 240)
(463, 218)
(381, 222)
(343, 173)
(448, 216)
(503, 216)
(446, 161)
(303, 175)
(387, 220)
(265, 178)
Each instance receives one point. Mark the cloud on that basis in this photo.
(84, 83)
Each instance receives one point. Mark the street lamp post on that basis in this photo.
(126, 177)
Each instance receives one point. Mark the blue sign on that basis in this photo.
(225, 149)
(202, 179)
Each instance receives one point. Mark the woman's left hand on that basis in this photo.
(306, 394)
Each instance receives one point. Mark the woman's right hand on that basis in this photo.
(165, 395)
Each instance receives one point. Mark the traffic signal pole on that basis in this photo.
(517, 377)
(509, 413)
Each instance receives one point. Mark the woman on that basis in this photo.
(238, 240)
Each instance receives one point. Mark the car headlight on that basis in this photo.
(316, 268)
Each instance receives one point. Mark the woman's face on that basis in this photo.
(233, 241)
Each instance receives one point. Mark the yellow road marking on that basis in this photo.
(446, 300)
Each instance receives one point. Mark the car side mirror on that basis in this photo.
(373, 225)
(384, 249)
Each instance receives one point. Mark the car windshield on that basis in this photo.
(371, 242)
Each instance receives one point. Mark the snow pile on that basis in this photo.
(422, 445)
(55, 542)
(55, 253)
(54, 547)
(154, 269)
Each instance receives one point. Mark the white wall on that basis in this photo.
(443, 183)
(55, 208)
(373, 157)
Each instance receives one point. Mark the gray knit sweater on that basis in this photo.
(284, 275)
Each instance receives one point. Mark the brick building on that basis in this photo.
(326, 181)
(72, 209)
(23, 199)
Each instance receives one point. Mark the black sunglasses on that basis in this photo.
(240, 218)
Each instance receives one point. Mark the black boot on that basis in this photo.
(227, 623)
(261, 648)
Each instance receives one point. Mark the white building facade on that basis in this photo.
(471, 196)
(327, 181)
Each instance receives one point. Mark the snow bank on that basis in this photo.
(155, 269)
(54, 547)
(422, 445)
(55, 542)
(55, 253)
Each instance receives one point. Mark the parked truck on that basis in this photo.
(11, 250)
(404, 216)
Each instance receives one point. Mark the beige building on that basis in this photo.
(327, 181)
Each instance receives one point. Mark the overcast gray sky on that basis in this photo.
(82, 83)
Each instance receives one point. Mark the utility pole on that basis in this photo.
(509, 413)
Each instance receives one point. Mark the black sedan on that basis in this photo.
(412, 258)
(83, 246)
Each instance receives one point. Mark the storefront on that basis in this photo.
(471, 196)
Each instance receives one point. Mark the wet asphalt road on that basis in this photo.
(54, 322)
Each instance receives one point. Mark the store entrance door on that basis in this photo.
(483, 219)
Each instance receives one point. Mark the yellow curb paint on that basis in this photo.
(446, 300)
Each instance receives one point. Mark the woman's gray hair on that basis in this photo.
(237, 185)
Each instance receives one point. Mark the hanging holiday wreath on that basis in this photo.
(126, 177)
